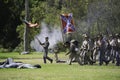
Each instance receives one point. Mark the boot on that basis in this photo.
(44, 58)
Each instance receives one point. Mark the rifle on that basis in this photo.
(38, 40)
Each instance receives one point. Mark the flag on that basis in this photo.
(67, 23)
(31, 25)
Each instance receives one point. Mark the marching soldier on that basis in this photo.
(73, 52)
(118, 50)
(85, 50)
(95, 49)
(102, 46)
(56, 51)
(113, 44)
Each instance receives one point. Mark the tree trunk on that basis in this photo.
(26, 29)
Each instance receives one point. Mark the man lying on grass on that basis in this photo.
(9, 63)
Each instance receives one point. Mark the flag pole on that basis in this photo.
(26, 29)
(62, 31)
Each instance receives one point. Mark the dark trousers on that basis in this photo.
(45, 56)
(118, 59)
(102, 57)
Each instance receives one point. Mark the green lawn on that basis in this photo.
(57, 71)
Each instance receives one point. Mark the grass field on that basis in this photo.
(56, 71)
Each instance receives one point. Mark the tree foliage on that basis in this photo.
(9, 18)
(90, 16)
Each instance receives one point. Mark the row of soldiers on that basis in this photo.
(103, 49)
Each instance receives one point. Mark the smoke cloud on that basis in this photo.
(97, 19)
(54, 34)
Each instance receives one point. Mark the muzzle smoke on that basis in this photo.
(54, 34)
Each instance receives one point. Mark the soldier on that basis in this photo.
(9, 63)
(45, 45)
(108, 50)
(56, 51)
(95, 49)
(73, 52)
(85, 50)
(118, 50)
(102, 46)
(113, 44)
